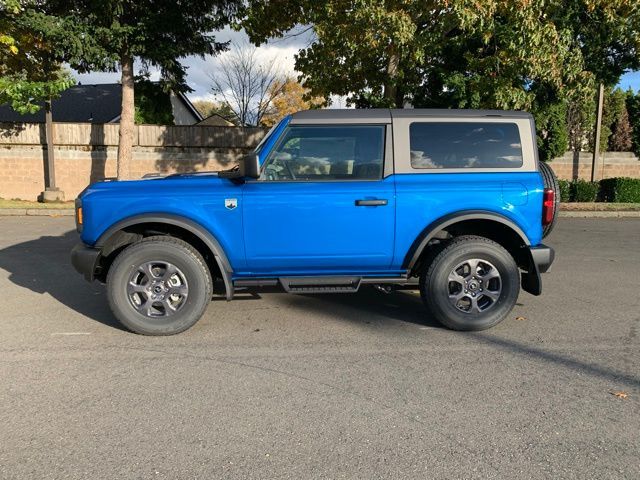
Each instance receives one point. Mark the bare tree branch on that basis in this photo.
(247, 84)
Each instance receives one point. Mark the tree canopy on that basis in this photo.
(103, 35)
(30, 70)
(454, 53)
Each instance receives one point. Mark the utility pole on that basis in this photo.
(51, 192)
(596, 146)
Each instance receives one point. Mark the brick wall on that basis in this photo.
(86, 153)
(611, 164)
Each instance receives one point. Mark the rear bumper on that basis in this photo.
(85, 259)
(542, 257)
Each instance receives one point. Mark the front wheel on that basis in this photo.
(159, 286)
(472, 284)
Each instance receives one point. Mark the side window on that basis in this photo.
(465, 145)
(316, 153)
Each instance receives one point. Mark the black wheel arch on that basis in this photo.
(127, 231)
(489, 224)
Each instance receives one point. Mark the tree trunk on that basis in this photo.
(127, 124)
(390, 86)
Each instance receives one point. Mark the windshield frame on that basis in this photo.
(266, 144)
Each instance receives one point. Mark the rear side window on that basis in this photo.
(465, 145)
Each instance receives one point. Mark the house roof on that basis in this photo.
(85, 103)
(80, 103)
(217, 120)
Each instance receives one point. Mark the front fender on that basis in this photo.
(184, 223)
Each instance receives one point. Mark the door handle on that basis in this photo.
(371, 203)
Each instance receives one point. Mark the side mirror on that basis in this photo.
(250, 166)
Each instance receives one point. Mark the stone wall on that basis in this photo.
(574, 165)
(86, 153)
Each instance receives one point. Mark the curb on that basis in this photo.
(37, 212)
(599, 214)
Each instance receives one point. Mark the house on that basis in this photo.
(98, 104)
(216, 120)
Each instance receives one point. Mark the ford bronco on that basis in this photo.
(451, 202)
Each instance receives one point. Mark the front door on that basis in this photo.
(321, 205)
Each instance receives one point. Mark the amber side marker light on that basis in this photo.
(79, 215)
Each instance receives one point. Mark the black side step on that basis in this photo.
(320, 284)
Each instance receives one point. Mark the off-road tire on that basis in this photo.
(550, 180)
(165, 249)
(435, 284)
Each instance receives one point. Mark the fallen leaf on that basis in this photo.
(520, 318)
(620, 394)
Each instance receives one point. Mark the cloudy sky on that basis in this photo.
(281, 50)
(200, 70)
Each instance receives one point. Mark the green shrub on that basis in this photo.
(620, 190)
(583, 191)
(565, 190)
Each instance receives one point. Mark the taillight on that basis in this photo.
(548, 206)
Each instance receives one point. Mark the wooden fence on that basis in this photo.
(87, 134)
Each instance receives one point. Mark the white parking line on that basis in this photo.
(71, 333)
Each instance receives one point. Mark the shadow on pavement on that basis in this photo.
(368, 302)
(43, 265)
(538, 354)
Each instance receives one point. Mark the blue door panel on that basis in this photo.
(423, 198)
(305, 227)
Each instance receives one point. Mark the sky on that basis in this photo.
(281, 50)
(199, 70)
(631, 79)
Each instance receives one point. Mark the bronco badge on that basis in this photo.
(231, 203)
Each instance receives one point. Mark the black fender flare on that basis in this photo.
(434, 227)
(182, 222)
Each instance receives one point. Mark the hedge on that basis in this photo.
(583, 191)
(620, 190)
(565, 190)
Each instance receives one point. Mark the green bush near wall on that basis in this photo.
(565, 190)
(583, 191)
(620, 190)
(616, 190)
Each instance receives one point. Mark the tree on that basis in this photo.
(552, 132)
(152, 103)
(614, 104)
(622, 138)
(30, 72)
(246, 84)
(107, 34)
(290, 97)
(633, 107)
(30, 68)
(459, 53)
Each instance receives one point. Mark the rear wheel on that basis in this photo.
(550, 180)
(159, 286)
(472, 284)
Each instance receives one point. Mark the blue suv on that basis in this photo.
(453, 203)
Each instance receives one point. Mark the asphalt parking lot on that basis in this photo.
(333, 386)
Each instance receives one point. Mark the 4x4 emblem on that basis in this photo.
(231, 203)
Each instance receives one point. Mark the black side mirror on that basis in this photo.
(250, 166)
